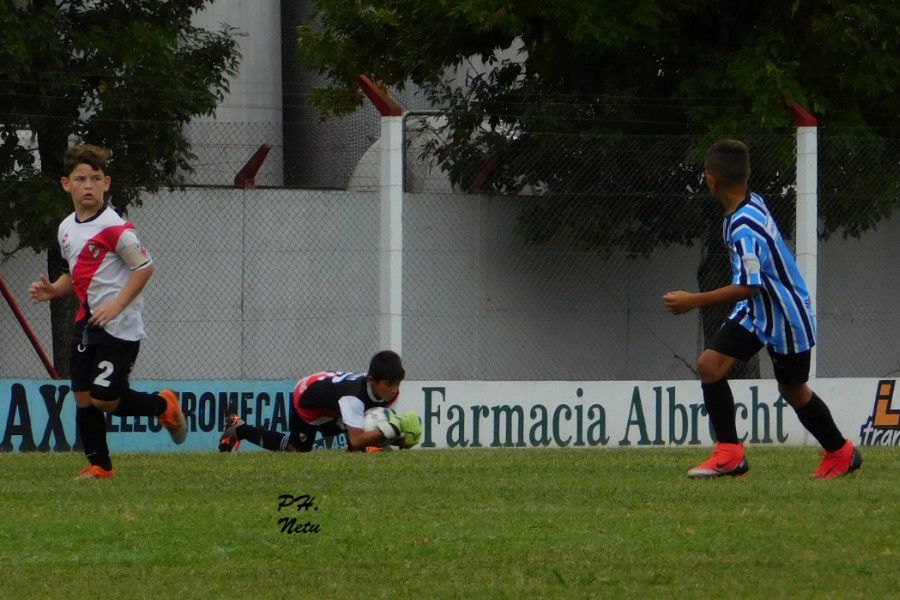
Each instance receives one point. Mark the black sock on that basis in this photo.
(137, 404)
(817, 419)
(720, 407)
(268, 439)
(91, 424)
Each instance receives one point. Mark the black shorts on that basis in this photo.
(102, 369)
(303, 434)
(733, 340)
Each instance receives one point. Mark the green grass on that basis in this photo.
(477, 523)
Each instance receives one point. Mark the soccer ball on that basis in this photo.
(374, 416)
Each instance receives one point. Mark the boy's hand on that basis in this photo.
(411, 425)
(391, 428)
(679, 302)
(105, 313)
(404, 431)
(41, 290)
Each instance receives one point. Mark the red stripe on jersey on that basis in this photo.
(308, 414)
(89, 260)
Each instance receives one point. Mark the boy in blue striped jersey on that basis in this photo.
(772, 309)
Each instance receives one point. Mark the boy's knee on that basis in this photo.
(299, 442)
(83, 399)
(105, 405)
(710, 369)
(797, 395)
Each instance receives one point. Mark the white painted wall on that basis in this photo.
(251, 113)
(270, 284)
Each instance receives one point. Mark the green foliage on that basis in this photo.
(448, 524)
(566, 84)
(124, 74)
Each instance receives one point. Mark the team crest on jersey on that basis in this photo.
(751, 264)
(883, 427)
(93, 249)
(771, 227)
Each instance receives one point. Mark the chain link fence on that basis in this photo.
(222, 148)
(264, 283)
(546, 256)
(859, 271)
(535, 258)
(251, 284)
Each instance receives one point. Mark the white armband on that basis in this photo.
(129, 248)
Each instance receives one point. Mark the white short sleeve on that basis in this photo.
(352, 411)
(129, 248)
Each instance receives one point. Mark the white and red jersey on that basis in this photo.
(102, 252)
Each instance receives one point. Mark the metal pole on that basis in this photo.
(27, 329)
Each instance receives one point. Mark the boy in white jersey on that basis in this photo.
(772, 309)
(107, 270)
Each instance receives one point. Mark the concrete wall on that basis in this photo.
(859, 304)
(479, 303)
(264, 284)
(251, 113)
(273, 284)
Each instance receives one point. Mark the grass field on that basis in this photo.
(477, 523)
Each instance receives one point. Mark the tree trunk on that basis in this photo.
(62, 315)
(715, 272)
(51, 147)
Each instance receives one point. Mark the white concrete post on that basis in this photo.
(390, 247)
(807, 225)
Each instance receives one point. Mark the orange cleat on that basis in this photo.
(173, 419)
(726, 459)
(94, 472)
(374, 449)
(840, 462)
(229, 441)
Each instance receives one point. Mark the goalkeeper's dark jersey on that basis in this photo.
(334, 395)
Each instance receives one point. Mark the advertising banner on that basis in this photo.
(39, 415)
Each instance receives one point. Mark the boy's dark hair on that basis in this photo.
(93, 156)
(729, 162)
(386, 365)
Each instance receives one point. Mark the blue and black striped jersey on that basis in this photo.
(780, 313)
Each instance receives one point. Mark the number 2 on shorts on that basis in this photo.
(107, 370)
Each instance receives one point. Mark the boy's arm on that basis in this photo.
(679, 301)
(352, 414)
(108, 311)
(747, 254)
(360, 440)
(42, 290)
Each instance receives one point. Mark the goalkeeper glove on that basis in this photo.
(411, 426)
(391, 428)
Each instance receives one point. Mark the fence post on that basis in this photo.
(807, 218)
(390, 244)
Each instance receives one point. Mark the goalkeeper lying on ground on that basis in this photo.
(335, 402)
